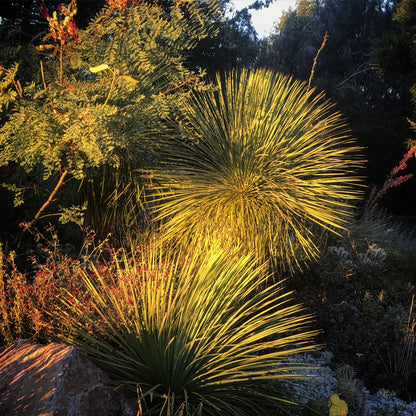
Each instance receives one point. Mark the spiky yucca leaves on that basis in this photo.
(260, 160)
(114, 203)
(193, 329)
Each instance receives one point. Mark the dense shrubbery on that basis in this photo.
(190, 329)
(95, 110)
(361, 291)
(238, 178)
(29, 299)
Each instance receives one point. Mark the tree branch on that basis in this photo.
(357, 72)
(190, 79)
(51, 196)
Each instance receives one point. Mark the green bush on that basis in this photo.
(361, 291)
(337, 407)
(95, 108)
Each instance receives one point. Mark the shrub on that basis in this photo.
(92, 111)
(29, 306)
(360, 291)
(192, 329)
(261, 161)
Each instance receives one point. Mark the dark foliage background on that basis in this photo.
(361, 69)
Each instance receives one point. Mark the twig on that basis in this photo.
(43, 76)
(51, 196)
(61, 63)
(315, 61)
(357, 72)
(111, 87)
(18, 87)
(190, 79)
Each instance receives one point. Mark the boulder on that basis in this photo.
(55, 380)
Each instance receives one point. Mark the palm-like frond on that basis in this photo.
(260, 159)
(194, 327)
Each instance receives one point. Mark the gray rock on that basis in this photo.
(55, 380)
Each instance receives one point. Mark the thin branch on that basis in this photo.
(357, 72)
(43, 76)
(61, 63)
(111, 87)
(51, 196)
(315, 61)
(190, 79)
(18, 87)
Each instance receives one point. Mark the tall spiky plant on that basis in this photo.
(192, 329)
(260, 161)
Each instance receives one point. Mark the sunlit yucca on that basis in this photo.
(260, 161)
(194, 330)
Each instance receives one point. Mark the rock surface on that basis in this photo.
(55, 380)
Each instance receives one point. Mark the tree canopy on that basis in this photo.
(94, 107)
(376, 107)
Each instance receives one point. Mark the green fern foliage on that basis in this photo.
(261, 161)
(99, 98)
(8, 94)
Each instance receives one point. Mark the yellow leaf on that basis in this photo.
(98, 68)
(43, 47)
(128, 78)
(46, 37)
(19, 88)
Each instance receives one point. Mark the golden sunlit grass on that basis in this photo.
(260, 161)
(193, 327)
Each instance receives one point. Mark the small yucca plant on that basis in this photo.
(260, 161)
(193, 330)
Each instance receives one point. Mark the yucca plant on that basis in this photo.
(114, 203)
(261, 161)
(193, 332)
